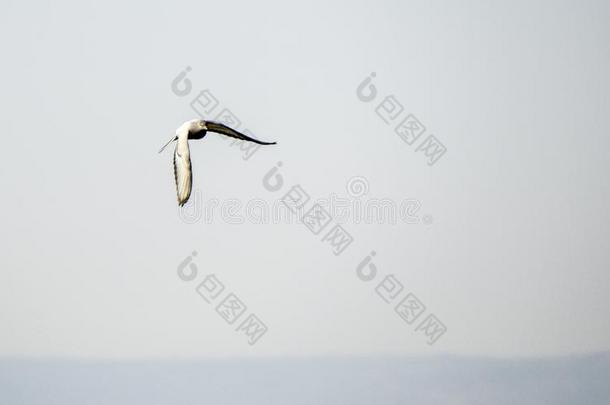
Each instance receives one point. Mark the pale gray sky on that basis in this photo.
(514, 263)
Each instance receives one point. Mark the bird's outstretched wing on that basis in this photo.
(183, 174)
(225, 130)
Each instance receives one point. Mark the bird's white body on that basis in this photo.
(182, 163)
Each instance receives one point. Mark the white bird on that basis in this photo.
(196, 129)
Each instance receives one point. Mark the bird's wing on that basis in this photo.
(182, 172)
(225, 130)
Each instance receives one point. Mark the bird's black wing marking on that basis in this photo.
(225, 130)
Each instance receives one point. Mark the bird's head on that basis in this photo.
(197, 126)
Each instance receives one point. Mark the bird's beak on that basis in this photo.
(170, 141)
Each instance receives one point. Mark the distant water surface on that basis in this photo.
(436, 380)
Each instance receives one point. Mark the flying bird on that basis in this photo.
(196, 129)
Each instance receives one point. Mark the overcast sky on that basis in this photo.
(511, 248)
